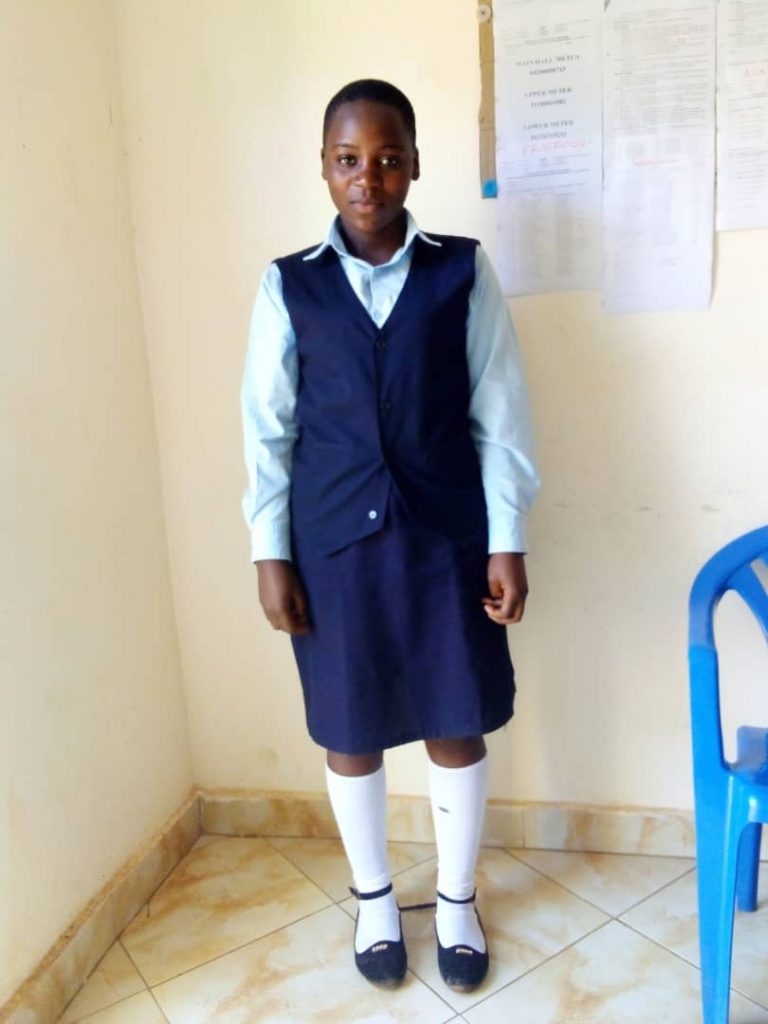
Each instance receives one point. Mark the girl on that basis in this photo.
(391, 471)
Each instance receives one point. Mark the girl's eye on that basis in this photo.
(390, 161)
(346, 159)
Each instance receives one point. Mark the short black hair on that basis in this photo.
(375, 91)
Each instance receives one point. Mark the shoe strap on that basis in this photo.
(469, 899)
(413, 906)
(371, 895)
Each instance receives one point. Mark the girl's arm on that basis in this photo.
(268, 399)
(499, 412)
(500, 424)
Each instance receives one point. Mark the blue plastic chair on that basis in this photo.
(731, 797)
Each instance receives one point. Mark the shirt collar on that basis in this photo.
(334, 240)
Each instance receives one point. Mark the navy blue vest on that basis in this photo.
(383, 407)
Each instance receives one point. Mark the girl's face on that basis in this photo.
(369, 162)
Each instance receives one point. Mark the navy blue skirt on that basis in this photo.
(401, 648)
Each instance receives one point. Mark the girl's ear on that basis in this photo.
(416, 167)
(322, 163)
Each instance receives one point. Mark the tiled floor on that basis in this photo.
(250, 930)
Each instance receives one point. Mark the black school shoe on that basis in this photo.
(462, 968)
(384, 963)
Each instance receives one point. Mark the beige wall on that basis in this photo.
(649, 433)
(93, 743)
(648, 426)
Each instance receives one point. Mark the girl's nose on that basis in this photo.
(369, 173)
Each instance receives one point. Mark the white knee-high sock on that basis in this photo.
(458, 797)
(360, 807)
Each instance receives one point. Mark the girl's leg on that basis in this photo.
(358, 793)
(458, 782)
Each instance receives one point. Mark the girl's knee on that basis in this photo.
(456, 753)
(354, 764)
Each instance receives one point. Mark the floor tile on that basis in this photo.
(613, 882)
(670, 917)
(527, 919)
(140, 1009)
(225, 893)
(325, 863)
(304, 972)
(114, 979)
(242, 932)
(610, 976)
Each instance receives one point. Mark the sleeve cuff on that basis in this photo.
(271, 540)
(507, 533)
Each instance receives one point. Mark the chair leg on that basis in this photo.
(717, 857)
(749, 866)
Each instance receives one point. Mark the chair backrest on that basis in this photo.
(730, 569)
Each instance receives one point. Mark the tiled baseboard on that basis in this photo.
(41, 999)
(253, 813)
(603, 829)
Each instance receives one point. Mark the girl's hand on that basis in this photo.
(508, 586)
(282, 597)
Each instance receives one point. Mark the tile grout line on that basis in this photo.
(166, 1018)
(439, 995)
(457, 1014)
(658, 892)
(244, 945)
(658, 944)
(609, 918)
(301, 870)
(117, 1002)
(107, 1006)
(560, 885)
(425, 982)
(596, 906)
(680, 956)
(685, 960)
(348, 895)
(138, 971)
(235, 949)
(750, 999)
(111, 1006)
(530, 970)
(338, 903)
(618, 918)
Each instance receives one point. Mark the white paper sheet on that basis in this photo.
(548, 139)
(659, 143)
(742, 114)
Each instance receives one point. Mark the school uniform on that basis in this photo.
(389, 451)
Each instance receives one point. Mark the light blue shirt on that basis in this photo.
(499, 415)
